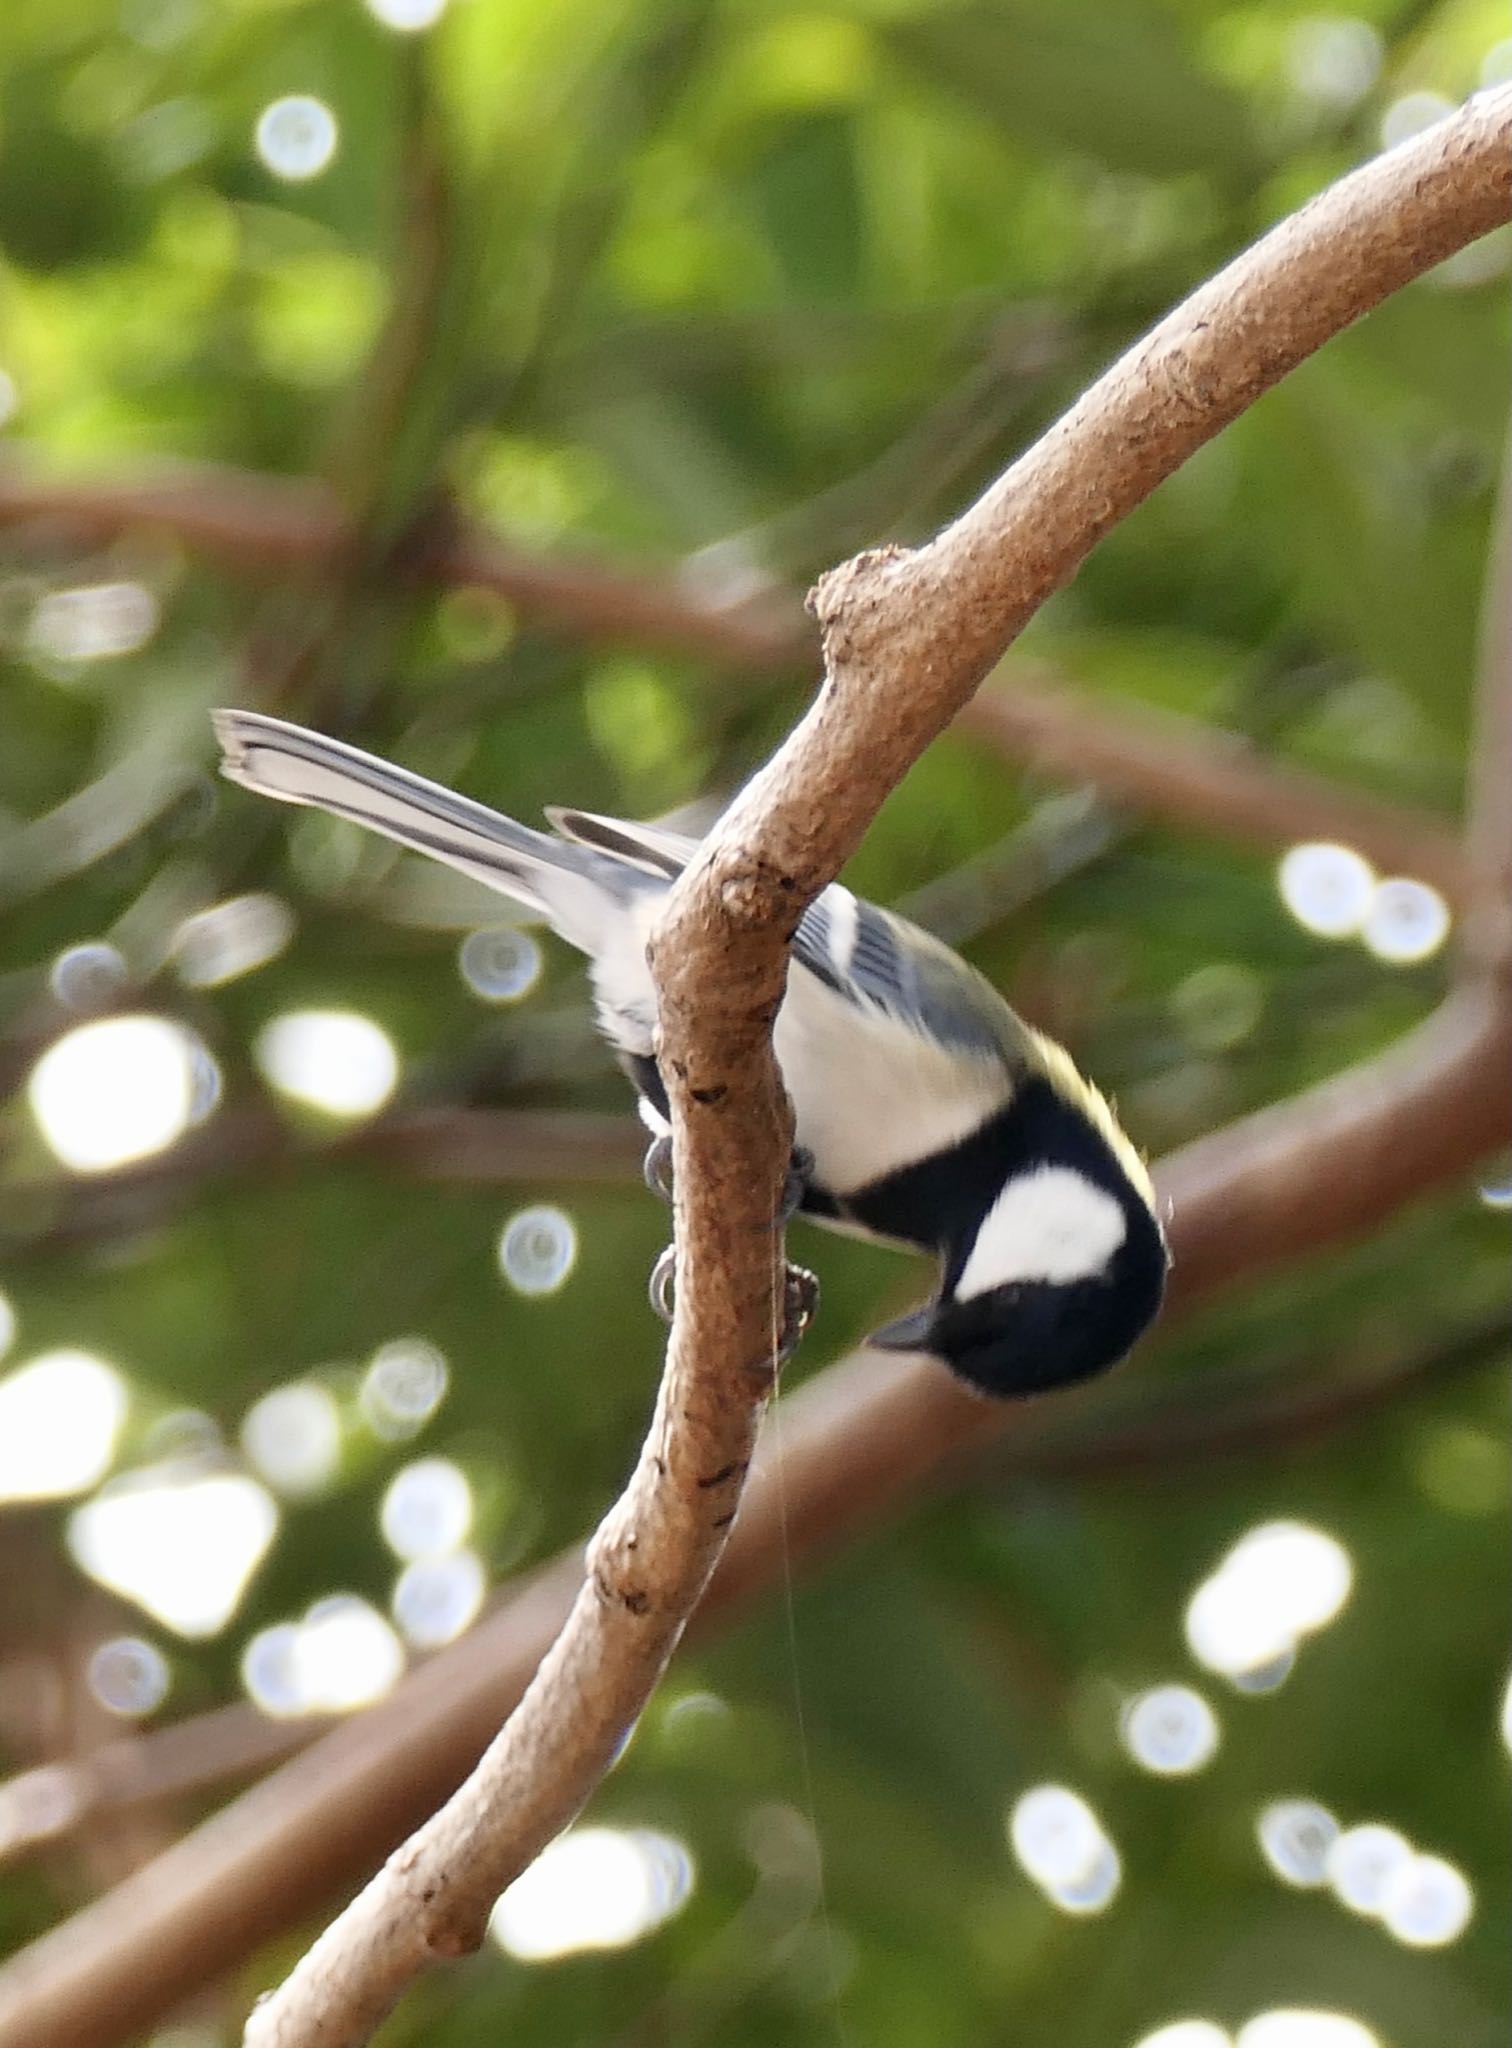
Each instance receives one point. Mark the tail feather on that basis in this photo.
(574, 889)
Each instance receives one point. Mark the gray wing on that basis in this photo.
(878, 960)
(869, 956)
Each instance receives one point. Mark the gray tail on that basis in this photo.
(573, 888)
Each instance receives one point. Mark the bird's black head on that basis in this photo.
(1056, 1273)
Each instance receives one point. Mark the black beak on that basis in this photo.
(913, 1332)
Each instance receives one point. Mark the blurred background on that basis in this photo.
(485, 382)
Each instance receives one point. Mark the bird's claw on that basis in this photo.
(657, 1166)
(663, 1274)
(800, 1300)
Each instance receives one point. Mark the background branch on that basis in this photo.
(860, 1444)
(1188, 774)
(1234, 1412)
(907, 638)
(268, 529)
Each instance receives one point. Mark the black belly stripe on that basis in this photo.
(939, 1203)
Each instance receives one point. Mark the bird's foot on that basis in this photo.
(657, 1166)
(800, 1301)
(800, 1304)
(663, 1274)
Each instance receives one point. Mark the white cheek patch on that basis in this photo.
(1052, 1224)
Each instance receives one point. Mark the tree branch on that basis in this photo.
(860, 1443)
(907, 638)
(1488, 834)
(1237, 1412)
(448, 1143)
(1186, 773)
(265, 528)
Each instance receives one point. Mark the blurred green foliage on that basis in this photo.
(757, 285)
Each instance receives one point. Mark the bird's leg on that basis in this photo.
(800, 1300)
(800, 1291)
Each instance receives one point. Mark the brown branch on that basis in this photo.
(1237, 1412)
(1189, 774)
(907, 638)
(860, 1443)
(267, 529)
(438, 1143)
(1488, 834)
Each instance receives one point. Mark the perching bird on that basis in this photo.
(926, 1113)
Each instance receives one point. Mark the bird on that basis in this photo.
(927, 1113)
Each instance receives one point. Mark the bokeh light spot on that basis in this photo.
(296, 137)
(1295, 1837)
(1407, 921)
(88, 976)
(231, 939)
(1334, 59)
(1328, 889)
(342, 1656)
(7, 1324)
(1062, 1847)
(500, 963)
(407, 16)
(437, 1598)
(129, 1677)
(1496, 65)
(404, 1385)
(1428, 1903)
(1280, 1582)
(593, 1888)
(537, 1250)
(346, 1656)
(1187, 2034)
(183, 1547)
(118, 1089)
(427, 1509)
(94, 622)
(293, 1437)
(1409, 116)
(1305, 2027)
(60, 1415)
(1218, 1006)
(1363, 1864)
(333, 1060)
(1170, 1730)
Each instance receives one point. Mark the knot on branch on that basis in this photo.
(854, 602)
